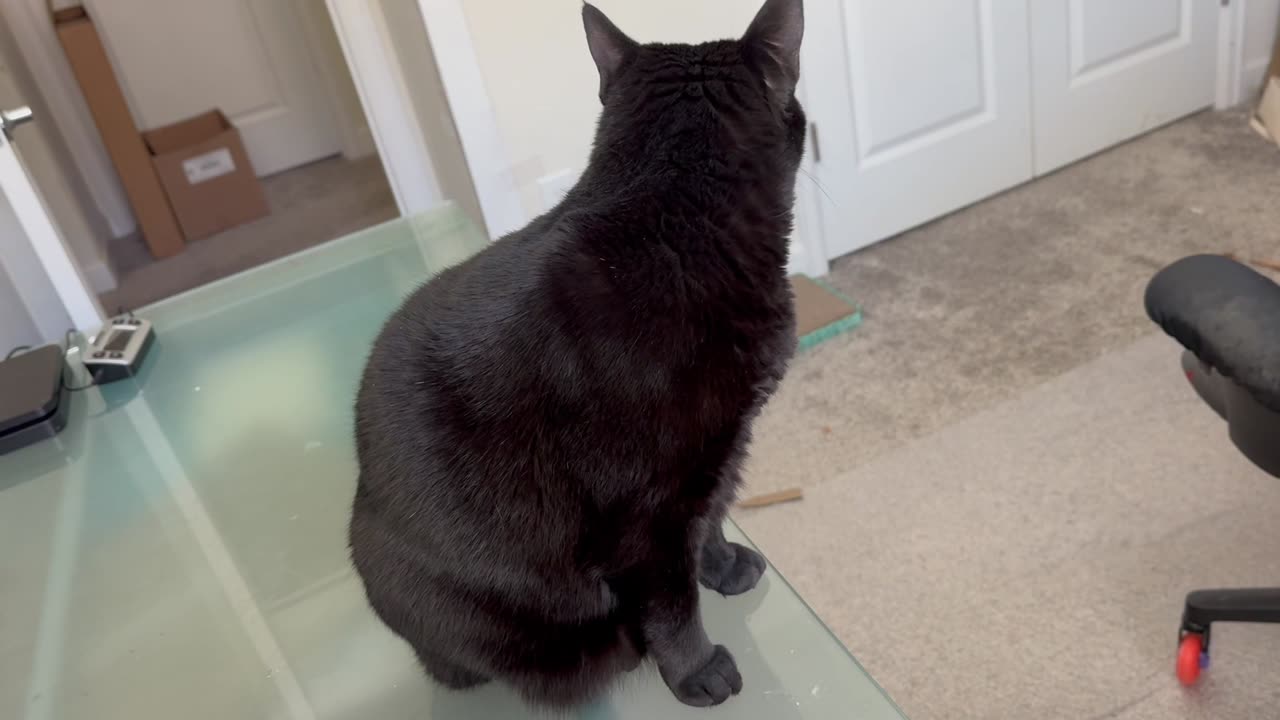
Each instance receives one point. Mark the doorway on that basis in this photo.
(276, 71)
(280, 74)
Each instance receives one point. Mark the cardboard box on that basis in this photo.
(124, 145)
(205, 171)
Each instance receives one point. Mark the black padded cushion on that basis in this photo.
(1225, 313)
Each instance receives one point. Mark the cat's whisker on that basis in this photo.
(818, 185)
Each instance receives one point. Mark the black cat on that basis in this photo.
(550, 433)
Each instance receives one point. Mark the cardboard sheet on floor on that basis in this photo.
(816, 307)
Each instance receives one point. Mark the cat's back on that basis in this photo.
(486, 290)
(453, 326)
(477, 354)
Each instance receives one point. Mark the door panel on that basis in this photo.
(937, 94)
(1105, 71)
(926, 93)
(250, 59)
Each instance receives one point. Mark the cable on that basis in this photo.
(16, 350)
(68, 341)
(92, 383)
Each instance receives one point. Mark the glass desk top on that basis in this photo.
(179, 551)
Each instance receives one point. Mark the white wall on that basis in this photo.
(426, 91)
(16, 327)
(543, 84)
(1261, 18)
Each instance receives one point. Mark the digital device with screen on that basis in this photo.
(118, 340)
(118, 349)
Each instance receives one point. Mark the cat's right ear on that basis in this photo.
(609, 45)
(774, 39)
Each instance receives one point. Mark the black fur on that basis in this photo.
(550, 433)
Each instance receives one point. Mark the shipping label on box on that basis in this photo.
(209, 166)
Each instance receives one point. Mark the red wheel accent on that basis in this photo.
(1189, 651)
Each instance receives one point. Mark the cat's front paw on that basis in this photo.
(712, 683)
(733, 572)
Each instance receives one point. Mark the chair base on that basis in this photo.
(1247, 605)
(1206, 607)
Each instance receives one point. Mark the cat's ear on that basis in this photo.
(774, 41)
(609, 45)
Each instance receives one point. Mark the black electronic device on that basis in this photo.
(117, 351)
(34, 399)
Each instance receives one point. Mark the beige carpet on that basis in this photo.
(1006, 497)
(978, 306)
(1030, 561)
(309, 205)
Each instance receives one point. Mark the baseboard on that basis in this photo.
(119, 225)
(99, 277)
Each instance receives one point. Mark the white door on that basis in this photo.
(920, 107)
(1107, 70)
(50, 257)
(248, 58)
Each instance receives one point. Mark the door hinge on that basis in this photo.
(813, 139)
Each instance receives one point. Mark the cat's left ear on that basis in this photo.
(774, 40)
(609, 46)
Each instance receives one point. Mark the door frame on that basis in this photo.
(1231, 70)
(473, 116)
(1239, 77)
(58, 263)
(384, 96)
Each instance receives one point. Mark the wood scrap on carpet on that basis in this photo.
(773, 498)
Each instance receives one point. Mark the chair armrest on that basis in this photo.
(1225, 313)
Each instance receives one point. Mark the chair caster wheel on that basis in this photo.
(1192, 658)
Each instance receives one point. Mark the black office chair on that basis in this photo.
(1228, 318)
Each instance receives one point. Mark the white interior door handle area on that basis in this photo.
(11, 119)
(46, 239)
